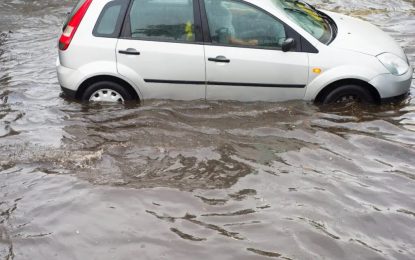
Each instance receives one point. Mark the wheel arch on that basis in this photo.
(98, 78)
(348, 81)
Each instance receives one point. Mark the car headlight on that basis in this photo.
(396, 65)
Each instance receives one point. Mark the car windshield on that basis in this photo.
(308, 17)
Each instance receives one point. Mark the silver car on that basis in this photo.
(246, 50)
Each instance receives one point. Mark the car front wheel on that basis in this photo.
(106, 91)
(349, 94)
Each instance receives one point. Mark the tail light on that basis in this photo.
(72, 26)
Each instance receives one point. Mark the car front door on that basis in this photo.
(161, 49)
(244, 57)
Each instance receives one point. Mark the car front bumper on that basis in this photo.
(390, 86)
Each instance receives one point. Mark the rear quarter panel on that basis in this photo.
(85, 48)
(89, 56)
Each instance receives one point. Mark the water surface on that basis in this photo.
(198, 180)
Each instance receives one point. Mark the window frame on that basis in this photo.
(126, 27)
(120, 19)
(302, 45)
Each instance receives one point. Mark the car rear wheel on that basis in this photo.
(106, 91)
(349, 94)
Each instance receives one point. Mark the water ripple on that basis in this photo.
(186, 180)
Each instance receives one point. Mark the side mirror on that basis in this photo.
(288, 45)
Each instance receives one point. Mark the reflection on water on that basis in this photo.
(186, 180)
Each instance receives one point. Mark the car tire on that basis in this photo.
(106, 91)
(348, 94)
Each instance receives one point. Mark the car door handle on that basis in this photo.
(129, 51)
(222, 59)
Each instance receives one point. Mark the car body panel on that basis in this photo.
(361, 36)
(84, 47)
(164, 69)
(390, 86)
(346, 64)
(67, 76)
(269, 72)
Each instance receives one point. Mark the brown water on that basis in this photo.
(197, 180)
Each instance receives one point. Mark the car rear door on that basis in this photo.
(244, 59)
(161, 49)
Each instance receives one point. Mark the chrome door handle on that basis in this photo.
(220, 58)
(129, 51)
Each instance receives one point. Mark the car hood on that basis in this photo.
(357, 35)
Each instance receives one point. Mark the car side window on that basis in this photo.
(239, 24)
(162, 20)
(110, 20)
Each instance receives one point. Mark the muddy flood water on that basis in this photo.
(198, 180)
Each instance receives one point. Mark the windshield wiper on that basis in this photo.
(313, 8)
(302, 13)
(329, 22)
(308, 5)
(318, 12)
(296, 11)
(305, 4)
